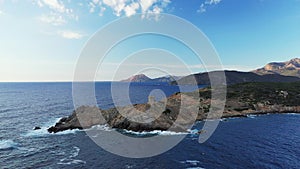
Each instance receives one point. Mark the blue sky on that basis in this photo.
(42, 39)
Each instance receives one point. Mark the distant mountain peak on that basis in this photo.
(294, 63)
(295, 60)
(137, 78)
(144, 78)
(288, 68)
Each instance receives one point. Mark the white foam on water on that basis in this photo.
(100, 127)
(205, 120)
(194, 131)
(293, 113)
(155, 132)
(229, 118)
(75, 152)
(192, 162)
(7, 144)
(97, 128)
(70, 160)
(252, 116)
(128, 166)
(166, 133)
(44, 130)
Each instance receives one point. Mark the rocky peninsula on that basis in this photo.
(242, 100)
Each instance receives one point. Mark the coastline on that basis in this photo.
(58, 127)
(242, 100)
(282, 110)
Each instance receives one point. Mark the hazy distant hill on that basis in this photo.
(137, 78)
(289, 68)
(144, 78)
(273, 72)
(234, 77)
(166, 79)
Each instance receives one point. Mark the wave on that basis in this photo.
(75, 153)
(5, 110)
(252, 116)
(193, 163)
(212, 120)
(293, 114)
(143, 133)
(11, 92)
(104, 127)
(229, 118)
(97, 128)
(193, 132)
(154, 132)
(44, 130)
(70, 160)
(8, 144)
(124, 131)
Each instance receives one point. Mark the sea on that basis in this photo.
(265, 141)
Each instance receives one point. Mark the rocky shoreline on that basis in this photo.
(242, 100)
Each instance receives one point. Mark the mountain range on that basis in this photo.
(289, 68)
(288, 71)
(144, 78)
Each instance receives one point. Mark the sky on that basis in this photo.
(41, 40)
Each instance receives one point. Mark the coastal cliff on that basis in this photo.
(242, 100)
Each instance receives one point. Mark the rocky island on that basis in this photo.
(242, 100)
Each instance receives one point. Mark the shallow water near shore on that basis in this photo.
(265, 141)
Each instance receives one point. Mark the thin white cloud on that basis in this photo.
(202, 8)
(39, 3)
(53, 18)
(117, 5)
(92, 6)
(212, 2)
(70, 34)
(1, 12)
(207, 3)
(96, 1)
(165, 3)
(129, 8)
(102, 10)
(58, 12)
(146, 4)
(96, 5)
(53, 4)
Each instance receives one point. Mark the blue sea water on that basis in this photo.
(268, 141)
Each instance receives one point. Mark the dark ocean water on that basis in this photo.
(268, 141)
